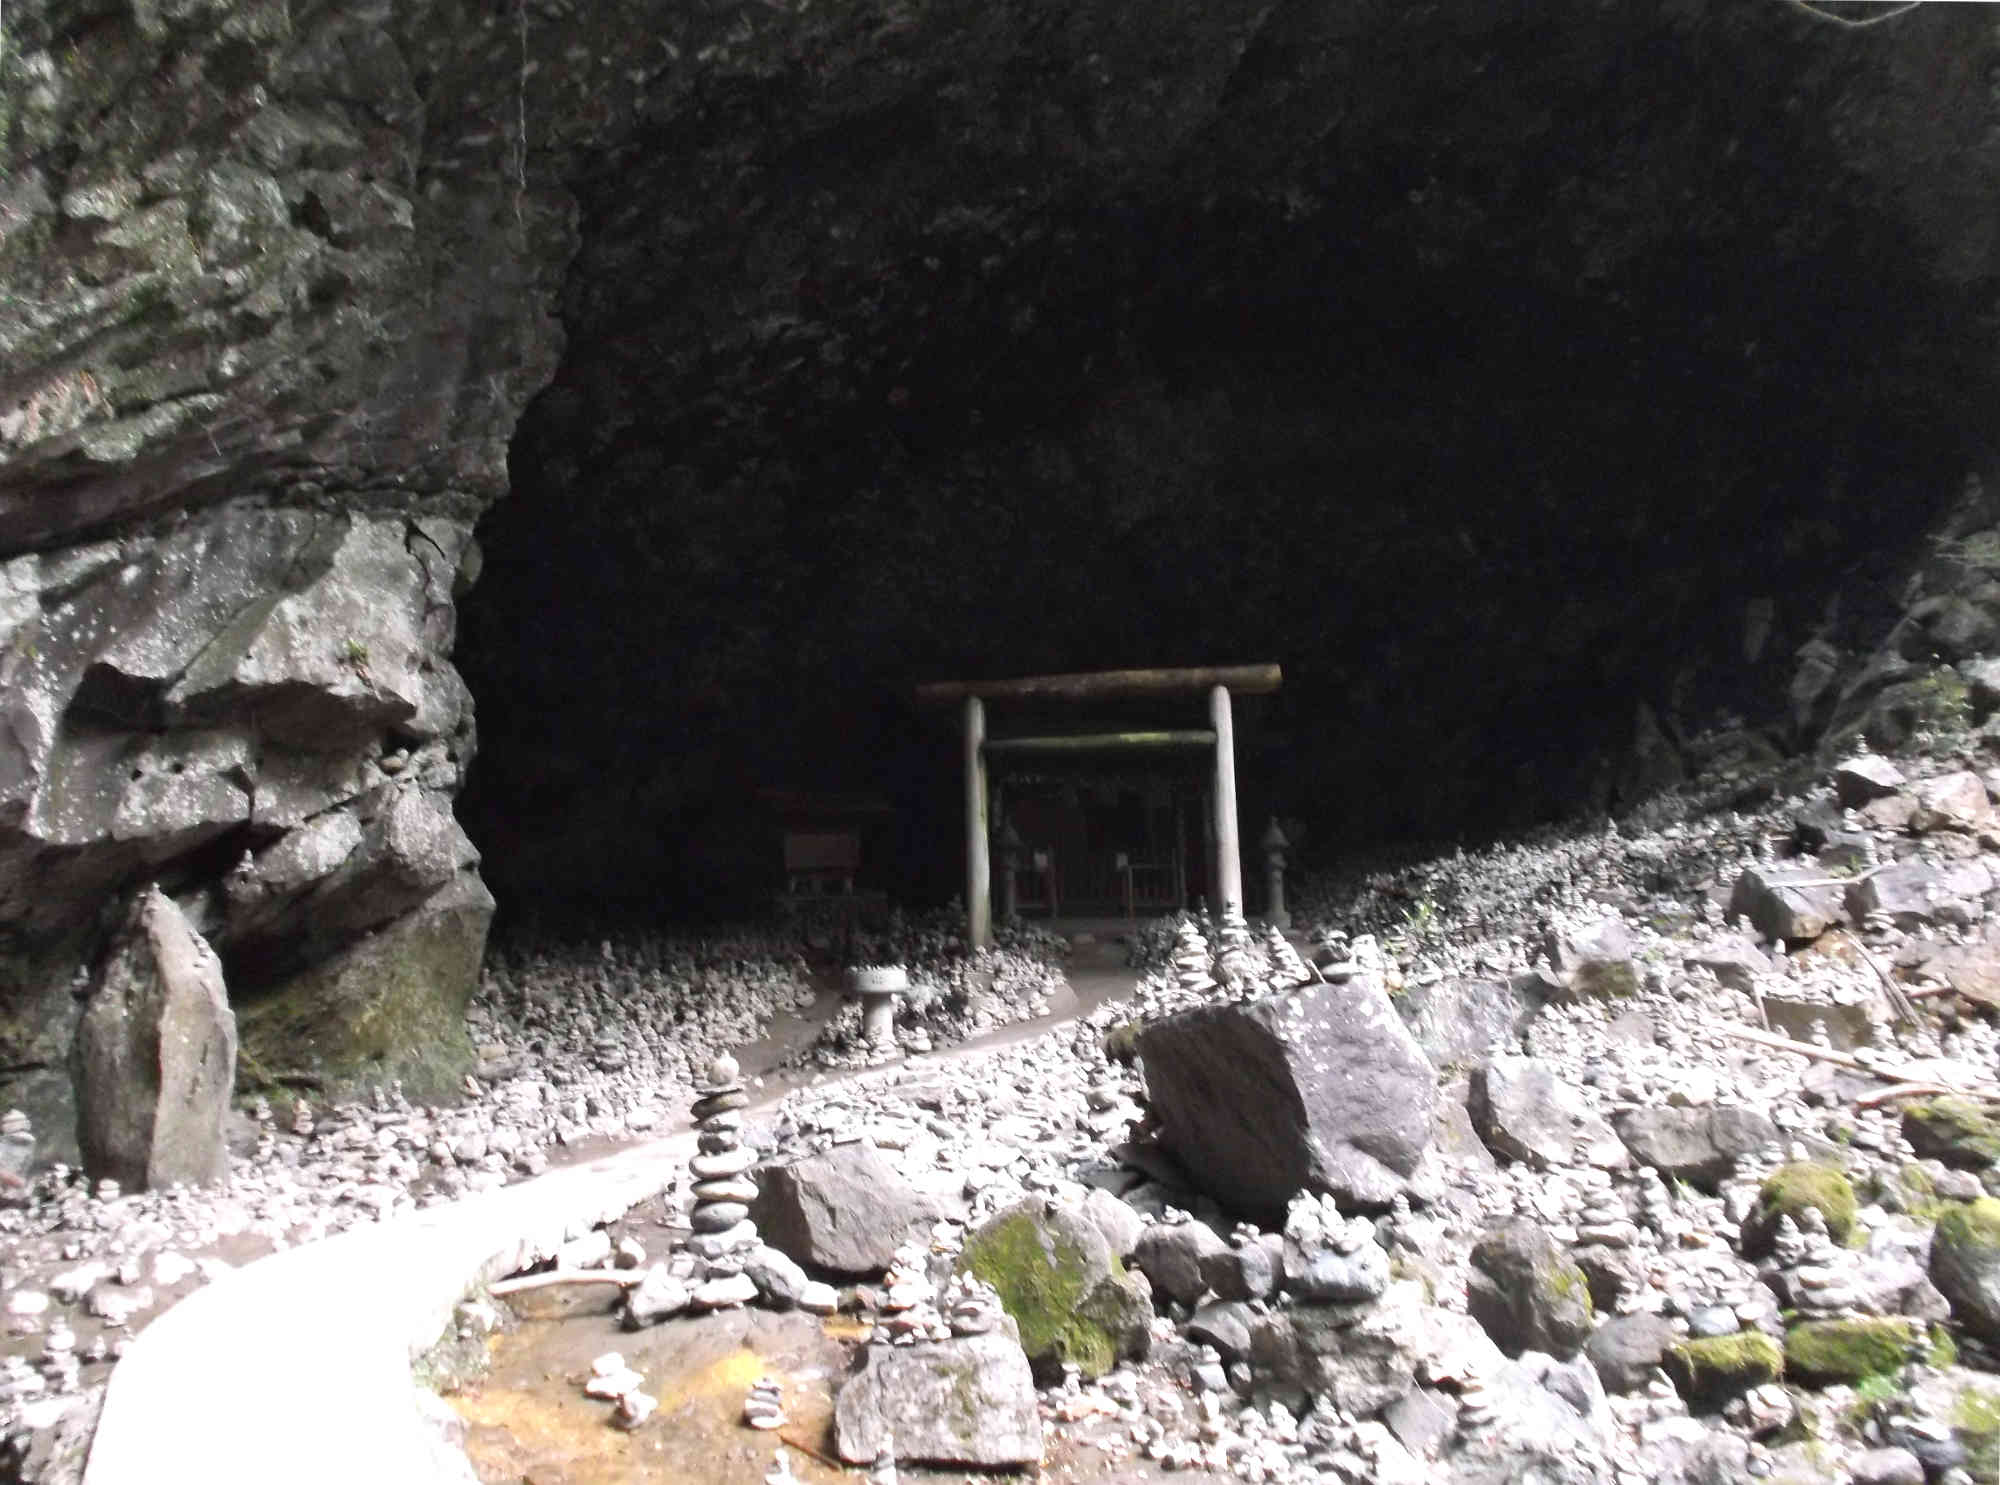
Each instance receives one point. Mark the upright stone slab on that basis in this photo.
(154, 1060)
(1321, 1090)
(965, 1402)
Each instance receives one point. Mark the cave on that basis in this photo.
(1505, 378)
(472, 455)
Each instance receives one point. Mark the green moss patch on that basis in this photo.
(1792, 1190)
(1047, 1281)
(1821, 1352)
(1711, 1370)
(1955, 1130)
(1970, 1226)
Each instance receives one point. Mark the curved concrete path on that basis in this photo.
(297, 1367)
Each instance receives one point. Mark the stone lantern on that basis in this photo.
(1275, 845)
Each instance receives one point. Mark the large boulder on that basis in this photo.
(154, 1060)
(1595, 958)
(1527, 1294)
(1695, 1145)
(1626, 1348)
(1363, 1357)
(1790, 903)
(845, 1211)
(1323, 1090)
(390, 1006)
(1459, 1021)
(1525, 1113)
(1071, 1300)
(1965, 1264)
(965, 1403)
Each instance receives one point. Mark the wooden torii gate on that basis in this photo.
(1217, 680)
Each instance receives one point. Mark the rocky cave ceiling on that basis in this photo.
(1482, 368)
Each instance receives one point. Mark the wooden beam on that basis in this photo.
(1088, 742)
(1246, 680)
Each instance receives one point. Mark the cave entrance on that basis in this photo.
(1072, 746)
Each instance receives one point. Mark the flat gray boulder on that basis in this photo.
(845, 1211)
(1459, 1021)
(154, 1059)
(965, 1403)
(1320, 1090)
(1696, 1145)
(1525, 1113)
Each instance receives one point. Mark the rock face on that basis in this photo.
(1070, 1299)
(968, 1402)
(843, 1212)
(1323, 1091)
(155, 1057)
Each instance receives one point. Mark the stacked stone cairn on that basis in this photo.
(908, 1303)
(1819, 1276)
(764, 1408)
(1236, 967)
(1288, 970)
(1191, 962)
(1330, 1259)
(971, 1306)
(723, 1235)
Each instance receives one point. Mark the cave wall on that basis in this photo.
(858, 321)
(1491, 368)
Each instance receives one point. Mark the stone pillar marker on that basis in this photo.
(1275, 844)
(154, 1060)
(978, 863)
(1228, 847)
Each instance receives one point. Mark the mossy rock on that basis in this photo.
(1792, 1190)
(1957, 1131)
(1821, 1352)
(1121, 1042)
(388, 1008)
(1070, 1297)
(1965, 1264)
(1975, 1423)
(1711, 1370)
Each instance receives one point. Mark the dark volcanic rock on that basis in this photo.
(1626, 1348)
(1527, 1294)
(155, 1057)
(844, 1212)
(1324, 1090)
(1700, 1145)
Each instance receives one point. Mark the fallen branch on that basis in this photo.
(624, 1278)
(785, 1438)
(1898, 1001)
(1898, 1075)
(1904, 1090)
(1833, 881)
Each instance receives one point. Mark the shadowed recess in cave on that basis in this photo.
(1491, 405)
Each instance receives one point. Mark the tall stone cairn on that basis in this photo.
(1190, 961)
(723, 1233)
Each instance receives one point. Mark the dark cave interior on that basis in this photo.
(1486, 408)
